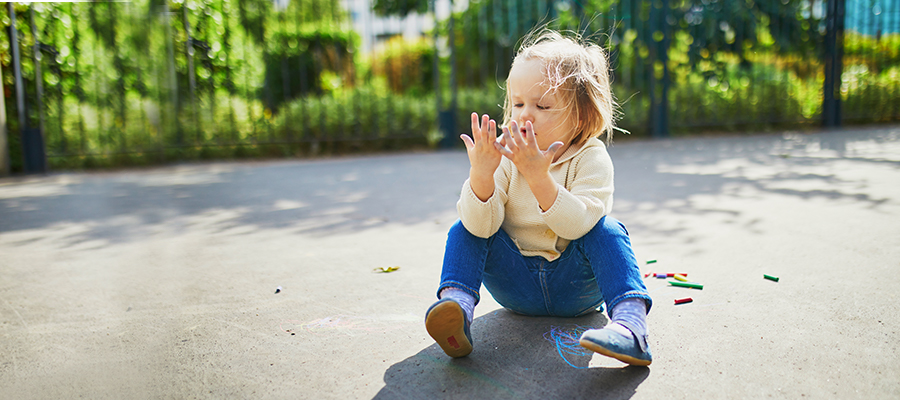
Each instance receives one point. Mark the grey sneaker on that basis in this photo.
(628, 349)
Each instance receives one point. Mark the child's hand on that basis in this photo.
(531, 161)
(524, 151)
(483, 156)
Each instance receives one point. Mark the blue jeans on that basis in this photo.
(598, 267)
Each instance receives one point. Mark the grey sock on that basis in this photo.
(465, 300)
(630, 316)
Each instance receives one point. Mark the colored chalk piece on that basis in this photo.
(672, 274)
(661, 276)
(686, 284)
(651, 261)
(684, 300)
(770, 277)
(680, 277)
(647, 275)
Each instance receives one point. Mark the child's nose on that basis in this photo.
(525, 115)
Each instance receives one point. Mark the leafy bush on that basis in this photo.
(296, 62)
(408, 67)
(744, 97)
(363, 113)
(488, 101)
(869, 97)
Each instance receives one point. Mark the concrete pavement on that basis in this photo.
(160, 283)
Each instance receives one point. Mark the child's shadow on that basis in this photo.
(512, 359)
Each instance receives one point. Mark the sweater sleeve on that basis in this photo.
(483, 218)
(587, 199)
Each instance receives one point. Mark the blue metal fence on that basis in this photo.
(684, 66)
(95, 84)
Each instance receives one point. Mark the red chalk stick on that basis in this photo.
(648, 274)
(684, 300)
(671, 274)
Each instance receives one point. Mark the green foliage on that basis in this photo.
(870, 96)
(399, 8)
(736, 27)
(745, 98)
(253, 14)
(487, 33)
(408, 67)
(871, 51)
(487, 100)
(271, 82)
(296, 61)
(328, 13)
(377, 114)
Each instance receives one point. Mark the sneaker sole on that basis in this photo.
(446, 323)
(621, 357)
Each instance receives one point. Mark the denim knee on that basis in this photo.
(607, 247)
(608, 226)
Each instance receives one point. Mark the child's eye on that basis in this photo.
(540, 107)
(517, 105)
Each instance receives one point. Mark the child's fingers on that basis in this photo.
(529, 134)
(501, 139)
(468, 141)
(492, 131)
(485, 123)
(510, 143)
(475, 127)
(507, 132)
(516, 135)
(502, 149)
(554, 148)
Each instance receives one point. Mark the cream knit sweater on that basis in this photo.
(585, 179)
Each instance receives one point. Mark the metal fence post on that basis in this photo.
(659, 55)
(33, 155)
(189, 52)
(38, 74)
(834, 53)
(4, 144)
(172, 83)
(437, 61)
(447, 117)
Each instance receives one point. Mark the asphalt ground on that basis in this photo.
(161, 283)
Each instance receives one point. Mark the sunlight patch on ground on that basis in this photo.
(282, 204)
(39, 189)
(185, 175)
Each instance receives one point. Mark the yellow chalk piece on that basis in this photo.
(680, 277)
(386, 269)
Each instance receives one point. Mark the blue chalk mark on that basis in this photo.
(567, 342)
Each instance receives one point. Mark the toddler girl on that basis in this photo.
(534, 225)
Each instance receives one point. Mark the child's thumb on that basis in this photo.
(554, 148)
(468, 141)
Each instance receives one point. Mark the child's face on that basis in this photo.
(531, 100)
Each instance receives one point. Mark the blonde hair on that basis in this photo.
(578, 71)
